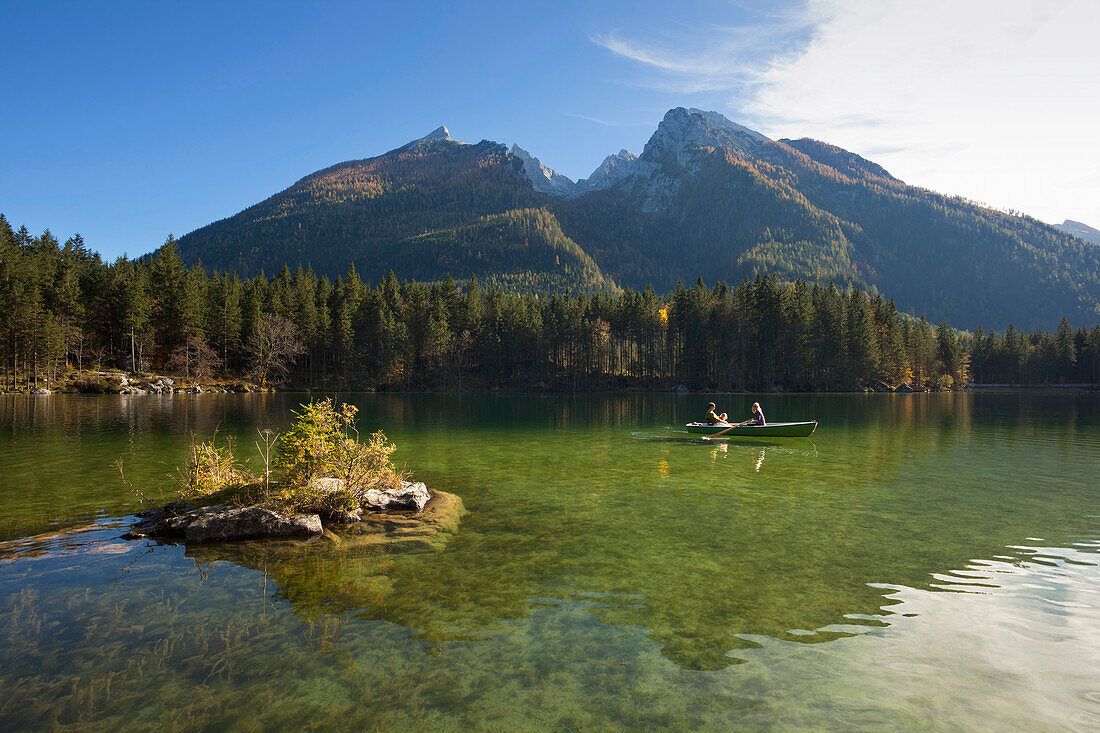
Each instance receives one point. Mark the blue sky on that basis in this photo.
(127, 121)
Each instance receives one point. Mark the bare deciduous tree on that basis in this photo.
(194, 358)
(272, 347)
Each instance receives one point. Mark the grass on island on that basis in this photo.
(322, 443)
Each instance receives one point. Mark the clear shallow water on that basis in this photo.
(925, 561)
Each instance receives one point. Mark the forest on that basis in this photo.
(62, 308)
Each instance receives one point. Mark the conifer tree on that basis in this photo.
(1065, 351)
(130, 293)
(948, 352)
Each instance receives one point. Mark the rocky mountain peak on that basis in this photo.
(439, 133)
(682, 131)
(615, 168)
(1080, 230)
(544, 179)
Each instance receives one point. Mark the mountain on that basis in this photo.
(706, 198)
(1077, 229)
(543, 179)
(613, 169)
(711, 198)
(431, 207)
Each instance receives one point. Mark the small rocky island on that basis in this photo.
(317, 477)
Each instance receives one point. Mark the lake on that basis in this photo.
(922, 561)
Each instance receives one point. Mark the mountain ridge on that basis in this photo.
(707, 197)
(1079, 230)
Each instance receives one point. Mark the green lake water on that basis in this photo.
(921, 562)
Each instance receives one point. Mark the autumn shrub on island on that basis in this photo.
(320, 465)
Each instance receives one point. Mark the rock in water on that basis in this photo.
(411, 495)
(226, 523)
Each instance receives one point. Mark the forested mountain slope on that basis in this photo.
(723, 205)
(432, 207)
(706, 198)
(945, 256)
(521, 249)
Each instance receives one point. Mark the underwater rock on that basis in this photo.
(229, 523)
(349, 551)
(426, 529)
(411, 495)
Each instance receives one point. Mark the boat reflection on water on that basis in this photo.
(723, 448)
(757, 451)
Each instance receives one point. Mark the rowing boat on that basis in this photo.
(771, 430)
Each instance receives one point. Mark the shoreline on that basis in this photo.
(204, 389)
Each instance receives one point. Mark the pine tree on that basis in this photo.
(177, 298)
(130, 293)
(862, 345)
(948, 351)
(225, 315)
(1065, 351)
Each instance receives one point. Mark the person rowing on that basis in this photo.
(713, 419)
(757, 417)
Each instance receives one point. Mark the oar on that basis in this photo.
(731, 427)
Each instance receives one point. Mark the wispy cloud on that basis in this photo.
(710, 58)
(992, 99)
(661, 59)
(609, 123)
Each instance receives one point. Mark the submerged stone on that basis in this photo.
(426, 529)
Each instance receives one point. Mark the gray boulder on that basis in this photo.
(163, 385)
(412, 495)
(228, 523)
